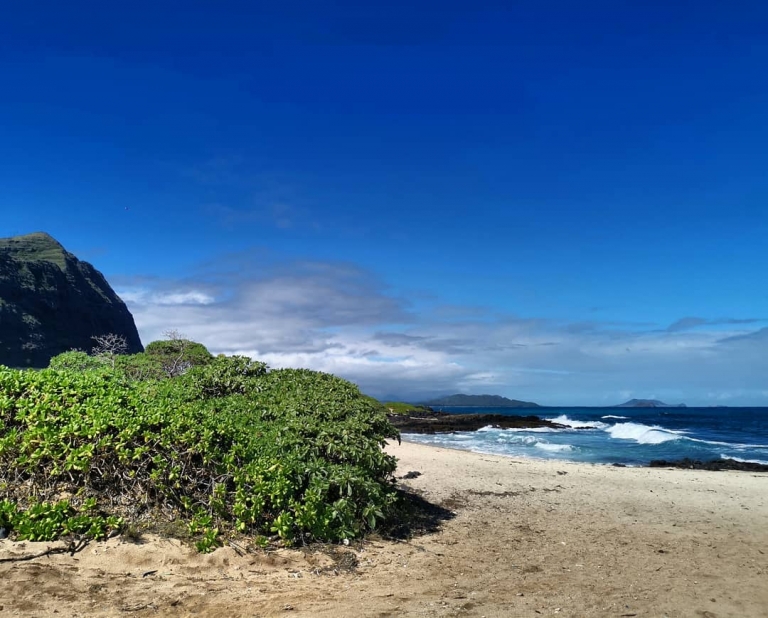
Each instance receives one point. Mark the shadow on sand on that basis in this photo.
(414, 517)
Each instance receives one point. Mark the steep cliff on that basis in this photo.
(51, 302)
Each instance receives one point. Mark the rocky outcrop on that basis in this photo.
(713, 464)
(441, 422)
(51, 302)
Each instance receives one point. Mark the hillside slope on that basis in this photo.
(51, 302)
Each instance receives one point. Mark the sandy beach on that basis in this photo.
(514, 538)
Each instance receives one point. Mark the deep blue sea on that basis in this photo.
(630, 436)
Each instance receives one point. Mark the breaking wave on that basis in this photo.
(755, 461)
(574, 424)
(643, 434)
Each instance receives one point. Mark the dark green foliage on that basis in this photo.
(226, 448)
(76, 360)
(140, 366)
(225, 375)
(176, 355)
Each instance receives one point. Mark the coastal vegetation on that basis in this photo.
(211, 447)
(401, 407)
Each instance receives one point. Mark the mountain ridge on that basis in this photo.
(52, 302)
(490, 401)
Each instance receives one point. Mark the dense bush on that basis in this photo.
(76, 360)
(140, 366)
(225, 448)
(176, 355)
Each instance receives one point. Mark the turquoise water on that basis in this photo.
(631, 436)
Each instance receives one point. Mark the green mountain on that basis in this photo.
(485, 401)
(51, 302)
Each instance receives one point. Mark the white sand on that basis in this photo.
(528, 538)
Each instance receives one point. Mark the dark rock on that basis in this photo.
(442, 422)
(52, 302)
(714, 464)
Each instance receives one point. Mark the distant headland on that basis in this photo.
(486, 401)
(648, 403)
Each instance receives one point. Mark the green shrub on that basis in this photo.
(140, 366)
(225, 375)
(177, 355)
(76, 360)
(401, 407)
(226, 449)
(47, 521)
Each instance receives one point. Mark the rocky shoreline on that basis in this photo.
(714, 464)
(431, 421)
(428, 421)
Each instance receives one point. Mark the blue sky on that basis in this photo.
(555, 201)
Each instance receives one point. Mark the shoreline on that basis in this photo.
(511, 537)
(724, 465)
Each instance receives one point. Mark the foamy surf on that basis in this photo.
(754, 461)
(631, 438)
(553, 448)
(574, 424)
(642, 434)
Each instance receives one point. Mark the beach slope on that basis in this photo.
(516, 538)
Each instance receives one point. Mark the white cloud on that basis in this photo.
(143, 296)
(339, 319)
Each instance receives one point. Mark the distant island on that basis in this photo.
(485, 401)
(648, 403)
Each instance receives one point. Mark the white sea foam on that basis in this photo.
(755, 461)
(553, 448)
(462, 436)
(750, 446)
(614, 416)
(492, 429)
(531, 430)
(516, 439)
(573, 424)
(714, 442)
(642, 434)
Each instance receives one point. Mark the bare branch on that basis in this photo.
(108, 346)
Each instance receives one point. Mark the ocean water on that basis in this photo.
(630, 436)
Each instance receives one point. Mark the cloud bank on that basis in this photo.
(338, 318)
